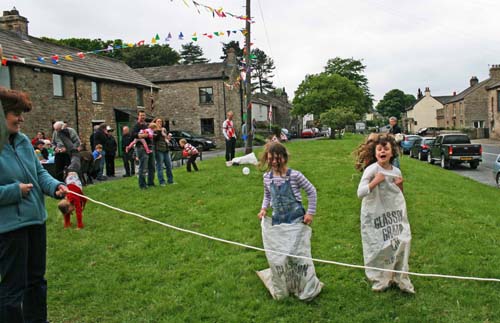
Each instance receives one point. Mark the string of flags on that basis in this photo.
(216, 12)
(56, 58)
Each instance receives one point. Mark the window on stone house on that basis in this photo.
(207, 126)
(478, 124)
(96, 92)
(5, 76)
(140, 97)
(206, 95)
(57, 85)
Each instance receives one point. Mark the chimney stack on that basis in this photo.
(11, 20)
(454, 93)
(495, 72)
(419, 94)
(230, 57)
(427, 92)
(473, 81)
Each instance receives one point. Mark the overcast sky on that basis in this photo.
(404, 44)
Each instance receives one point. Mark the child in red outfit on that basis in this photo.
(190, 152)
(73, 202)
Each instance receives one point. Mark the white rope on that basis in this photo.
(283, 253)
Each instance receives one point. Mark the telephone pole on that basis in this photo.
(248, 84)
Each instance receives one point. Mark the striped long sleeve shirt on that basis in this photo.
(298, 181)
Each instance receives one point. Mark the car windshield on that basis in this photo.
(456, 139)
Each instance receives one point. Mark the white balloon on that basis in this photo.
(246, 170)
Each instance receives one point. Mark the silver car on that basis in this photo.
(496, 171)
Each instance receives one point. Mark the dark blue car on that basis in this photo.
(421, 147)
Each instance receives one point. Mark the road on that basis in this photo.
(483, 173)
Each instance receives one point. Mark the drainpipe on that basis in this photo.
(77, 124)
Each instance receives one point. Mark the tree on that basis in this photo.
(192, 54)
(262, 69)
(394, 103)
(236, 46)
(338, 118)
(150, 56)
(353, 70)
(322, 92)
(135, 57)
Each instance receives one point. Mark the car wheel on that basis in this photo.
(429, 159)
(444, 164)
(498, 180)
(474, 164)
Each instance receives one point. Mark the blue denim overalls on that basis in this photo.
(286, 208)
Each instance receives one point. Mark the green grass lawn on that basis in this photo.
(123, 269)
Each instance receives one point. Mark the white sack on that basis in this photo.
(386, 234)
(247, 159)
(289, 275)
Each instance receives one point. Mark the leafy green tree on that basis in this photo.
(192, 54)
(262, 69)
(135, 57)
(338, 118)
(321, 92)
(394, 103)
(353, 70)
(151, 56)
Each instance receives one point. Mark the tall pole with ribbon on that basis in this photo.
(248, 84)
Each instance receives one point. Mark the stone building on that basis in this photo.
(422, 114)
(281, 110)
(494, 110)
(196, 98)
(63, 86)
(469, 108)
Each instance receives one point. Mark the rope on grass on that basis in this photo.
(283, 253)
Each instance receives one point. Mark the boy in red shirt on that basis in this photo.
(73, 202)
(190, 152)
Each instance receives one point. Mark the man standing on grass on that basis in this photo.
(145, 159)
(230, 136)
(128, 157)
(394, 130)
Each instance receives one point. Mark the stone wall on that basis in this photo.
(47, 108)
(493, 113)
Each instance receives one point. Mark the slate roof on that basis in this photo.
(467, 91)
(493, 86)
(442, 99)
(92, 66)
(263, 98)
(179, 73)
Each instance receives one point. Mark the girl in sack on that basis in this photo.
(385, 230)
(286, 230)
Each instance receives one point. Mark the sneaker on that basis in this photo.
(163, 184)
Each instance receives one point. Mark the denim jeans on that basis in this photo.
(23, 288)
(146, 162)
(163, 159)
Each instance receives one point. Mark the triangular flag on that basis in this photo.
(181, 36)
(153, 40)
(216, 33)
(221, 33)
(4, 61)
(194, 38)
(68, 58)
(157, 37)
(54, 59)
(80, 54)
(253, 56)
(169, 37)
(228, 32)
(141, 43)
(244, 32)
(118, 46)
(109, 48)
(210, 36)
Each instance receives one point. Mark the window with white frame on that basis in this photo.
(5, 77)
(57, 85)
(478, 124)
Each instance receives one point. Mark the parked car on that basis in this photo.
(496, 171)
(326, 131)
(307, 133)
(452, 149)
(421, 147)
(195, 140)
(408, 142)
(316, 131)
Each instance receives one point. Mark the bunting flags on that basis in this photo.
(216, 12)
